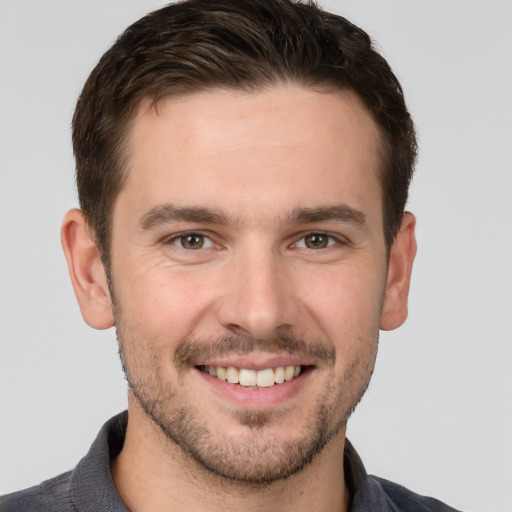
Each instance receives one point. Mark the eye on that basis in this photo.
(192, 241)
(316, 241)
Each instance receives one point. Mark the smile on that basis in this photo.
(265, 378)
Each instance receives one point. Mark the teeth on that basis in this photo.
(232, 375)
(221, 373)
(279, 375)
(289, 372)
(245, 377)
(265, 378)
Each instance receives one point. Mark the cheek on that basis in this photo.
(347, 309)
(346, 300)
(163, 303)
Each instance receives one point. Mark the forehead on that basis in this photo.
(284, 144)
(219, 113)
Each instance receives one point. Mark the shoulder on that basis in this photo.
(404, 500)
(374, 494)
(50, 496)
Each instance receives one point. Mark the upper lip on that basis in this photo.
(257, 361)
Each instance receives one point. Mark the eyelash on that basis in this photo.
(332, 240)
(176, 239)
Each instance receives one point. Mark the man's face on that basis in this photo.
(248, 243)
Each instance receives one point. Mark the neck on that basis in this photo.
(153, 473)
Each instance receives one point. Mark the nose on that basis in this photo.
(258, 298)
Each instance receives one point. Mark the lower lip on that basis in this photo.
(253, 397)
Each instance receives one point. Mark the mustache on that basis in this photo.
(193, 351)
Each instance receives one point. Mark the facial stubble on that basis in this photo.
(258, 457)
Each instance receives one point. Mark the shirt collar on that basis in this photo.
(365, 491)
(92, 487)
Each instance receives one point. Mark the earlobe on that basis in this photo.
(86, 271)
(403, 251)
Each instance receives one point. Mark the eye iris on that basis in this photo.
(192, 241)
(316, 241)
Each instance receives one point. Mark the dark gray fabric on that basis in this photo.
(90, 488)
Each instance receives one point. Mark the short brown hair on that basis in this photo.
(239, 44)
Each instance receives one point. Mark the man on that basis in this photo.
(242, 170)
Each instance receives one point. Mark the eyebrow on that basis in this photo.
(163, 214)
(166, 213)
(339, 212)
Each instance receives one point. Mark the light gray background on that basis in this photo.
(438, 414)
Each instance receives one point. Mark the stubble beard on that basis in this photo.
(257, 458)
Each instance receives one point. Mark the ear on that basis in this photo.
(403, 251)
(86, 271)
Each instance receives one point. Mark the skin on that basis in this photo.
(261, 162)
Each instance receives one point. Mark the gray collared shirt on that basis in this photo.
(90, 488)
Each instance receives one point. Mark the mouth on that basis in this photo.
(246, 377)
